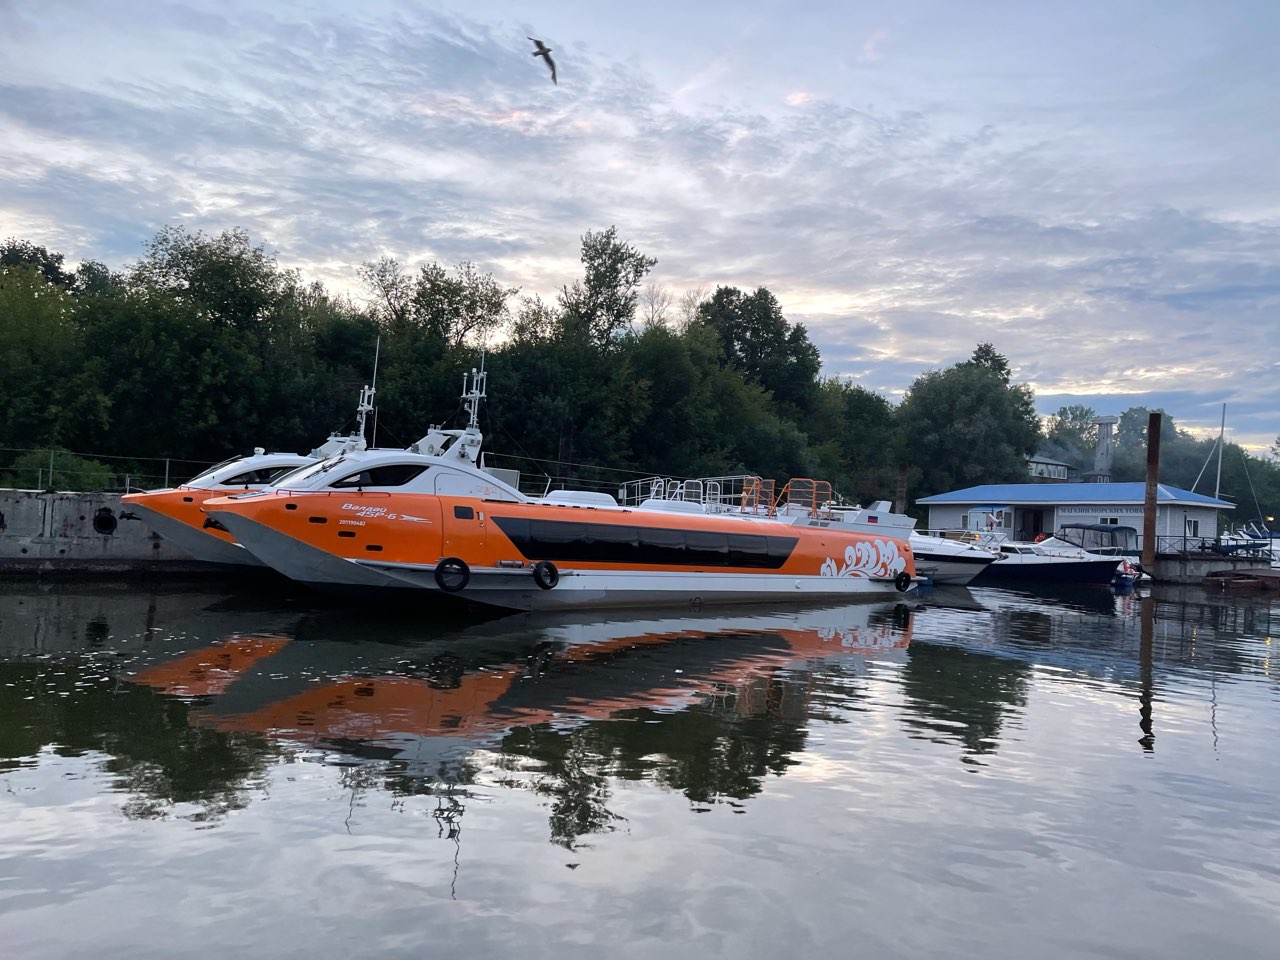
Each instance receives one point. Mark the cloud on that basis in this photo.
(871, 48)
(1106, 253)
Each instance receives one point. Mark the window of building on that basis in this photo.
(1193, 528)
(1111, 521)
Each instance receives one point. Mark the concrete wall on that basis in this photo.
(80, 532)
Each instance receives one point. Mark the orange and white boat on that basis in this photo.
(175, 512)
(433, 520)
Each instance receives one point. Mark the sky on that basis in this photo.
(1092, 187)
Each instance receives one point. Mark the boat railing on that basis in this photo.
(808, 498)
(1210, 545)
(732, 494)
(743, 494)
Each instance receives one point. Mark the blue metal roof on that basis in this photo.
(1048, 494)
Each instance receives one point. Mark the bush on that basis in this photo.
(70, 472)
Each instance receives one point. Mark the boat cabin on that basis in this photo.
(1102, 538)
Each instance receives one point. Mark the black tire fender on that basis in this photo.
(452, 575)
(902, 581)
(545, 574)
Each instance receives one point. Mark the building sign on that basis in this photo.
(1092, 509)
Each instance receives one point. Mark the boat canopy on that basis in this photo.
(1100, 537)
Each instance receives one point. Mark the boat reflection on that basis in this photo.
(187, 705)
(696, 702)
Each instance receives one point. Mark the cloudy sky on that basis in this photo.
(1091, 186)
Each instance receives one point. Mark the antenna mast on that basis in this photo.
(377, 352)
(475, 394)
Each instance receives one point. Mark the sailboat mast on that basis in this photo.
(1217, 484)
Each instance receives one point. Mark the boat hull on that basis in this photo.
(514, 588)
(1099, 572)
(951, 571)
(205, 545)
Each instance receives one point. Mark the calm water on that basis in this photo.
(187, 772)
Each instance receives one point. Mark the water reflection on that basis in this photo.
(191, 700)
(761, 779)
(706, 705)
(995, 640)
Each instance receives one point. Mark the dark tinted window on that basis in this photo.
(708, 547)
(392, 475)
(555, 532)
(464, 513)
(662, 540)
(623, 543)
(252, 477)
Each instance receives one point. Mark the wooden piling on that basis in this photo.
(1149, 504)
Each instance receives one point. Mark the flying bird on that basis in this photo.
(543, 51)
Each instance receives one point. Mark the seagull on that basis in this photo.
(544, 52)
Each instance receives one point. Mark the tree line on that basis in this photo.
(206, 347)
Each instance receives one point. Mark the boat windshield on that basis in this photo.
(214, 469)
(308, 471)
(287, 475)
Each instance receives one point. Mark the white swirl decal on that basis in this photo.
(861, 638)
(867, 558)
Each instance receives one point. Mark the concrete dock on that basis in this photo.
(70, 532)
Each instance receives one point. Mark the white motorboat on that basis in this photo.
(949, 561)
(1050, 562)
(175, 513)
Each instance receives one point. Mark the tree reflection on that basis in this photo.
(960, 695)
(153, 752)
(719, 748)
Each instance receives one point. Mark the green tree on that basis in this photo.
(31, 471)
(986, 356)
(463, 307)
(1072, 426)
(47, 390)
(534, 321)
(23, 253)
(853, 432)
(967, 425)
(602, 305)
(97, 279)
(225, 278)
(757, 340)
(1071, 436)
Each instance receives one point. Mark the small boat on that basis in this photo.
(433, 520)
(1101, 540)
(947, 561)
(1047, 563)
(175, 512)
(1233, 580)
(1251, 540)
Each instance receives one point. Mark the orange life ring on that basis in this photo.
(1040, 536)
